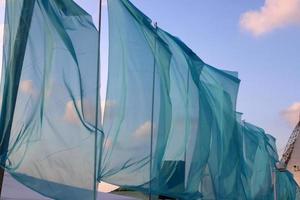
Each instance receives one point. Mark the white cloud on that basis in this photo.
(144, 130)
(272, 15)
(27, 87)
(292, 113)
(108, 143)
(73, 116)
(70, 113)
(86, 110)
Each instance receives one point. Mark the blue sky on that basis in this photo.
(257, 38)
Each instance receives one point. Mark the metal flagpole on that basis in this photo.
(13, 76)
(152, 118)
(97, 165)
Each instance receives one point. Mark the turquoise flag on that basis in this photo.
(170, 121)
(259, 174)
(165, 113)
(49, 95)
(137, 117)
(210, 113)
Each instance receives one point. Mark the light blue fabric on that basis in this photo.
(195, 146)
(170, 122)
(49, 92)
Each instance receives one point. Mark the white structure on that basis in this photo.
(291, 155)
(13, 190)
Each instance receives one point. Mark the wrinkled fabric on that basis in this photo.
(213, 93)
(134, 132)
(49, 94)
(170, 123)
(170, 120)
(259, 174)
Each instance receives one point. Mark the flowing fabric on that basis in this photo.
(137, 116)
(49, 98)
(188, 142)
(257, 166)
(213, 93)
(170, 123)
(258, 163)
(170, 120)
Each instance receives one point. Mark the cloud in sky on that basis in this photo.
(27, 87)
(143, 130)
(272, 15)
(85, 110)
(291, 114)
(70, 113)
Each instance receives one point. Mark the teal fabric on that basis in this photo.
(258, 163)
(49, 94)
(170, 123)
(196, 146)
(138, 59)
(213, 93)
(257, 166)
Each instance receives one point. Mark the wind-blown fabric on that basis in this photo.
(258, 167)
(49, 94)
(138, 60)
(213, 93)
(195, 146)
(170, 123)
(191, 140)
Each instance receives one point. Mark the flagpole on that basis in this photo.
(152, 118)
(12, 80)
(97, 168)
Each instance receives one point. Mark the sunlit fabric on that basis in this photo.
(211, 96)
(138, 59)
(257, 167)
(49, 96)
(170, 124)
(191, 140)
(170, 120)
(259, 156)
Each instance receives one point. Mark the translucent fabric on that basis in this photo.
(170, 120)
(210, 96)
(134, 109)
(170, 123)
(259, 175)
(50, 95)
